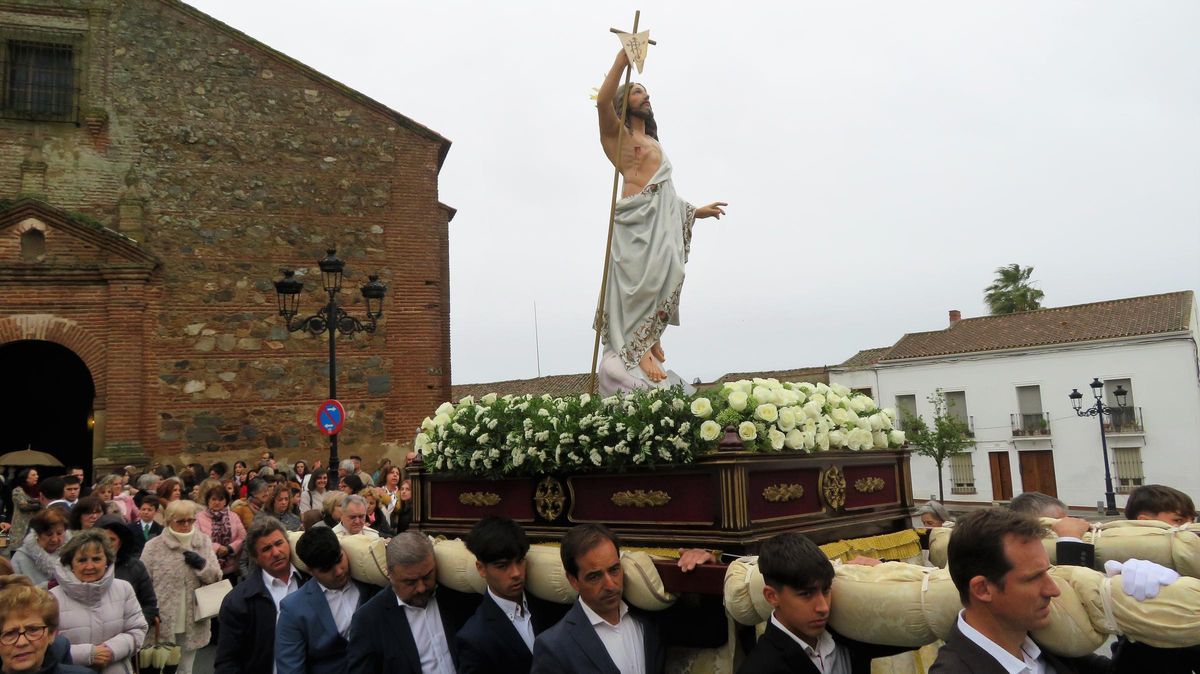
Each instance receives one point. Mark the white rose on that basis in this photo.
(839, 389)
(787, 420)
(737, 400)
(762, 394)
(467, 400)
(878, 422)
(837, 438)
(818, 399)
(833, 399)
(865, 424)
(747, 430)
(859, 439)
(861, 403)
(794, 439)
(709, 430)
(896, 438)
(702, 407)
(889, 412)
(427, 424)
(812, 410)
(838, 415)
(445, 408)
(767, 412)
(489, 399)
(822, 441)
(776, 438)
(441, 420)
(823, 388)
(810, 439)
(879, 439)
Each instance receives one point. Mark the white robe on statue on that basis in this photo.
(652, 234)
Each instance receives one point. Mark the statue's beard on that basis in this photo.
(642, 114)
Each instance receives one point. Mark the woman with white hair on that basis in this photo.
(180, 561)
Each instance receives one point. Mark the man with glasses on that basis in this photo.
(354, 519)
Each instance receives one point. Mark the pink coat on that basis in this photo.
(236, 529)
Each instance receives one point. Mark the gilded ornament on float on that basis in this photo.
(640, 498)
(548, 499)
(782, 493)
(479, 499)
(869, 485)
(833, 487)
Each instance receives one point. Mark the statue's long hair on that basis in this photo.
(619, 102)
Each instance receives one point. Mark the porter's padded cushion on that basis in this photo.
(908, 606)
(368, 558)
(456, 567)
(546, 578)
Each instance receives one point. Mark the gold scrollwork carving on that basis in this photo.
(833, 487)
(479, 499)
(782, 493)
(869, 485)
(639, 498)
(548, 499)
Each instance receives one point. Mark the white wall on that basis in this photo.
(1163, 373)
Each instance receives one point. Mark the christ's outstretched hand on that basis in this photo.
(712, 210)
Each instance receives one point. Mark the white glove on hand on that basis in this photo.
(1141, 579)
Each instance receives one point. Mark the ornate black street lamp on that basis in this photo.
(331, 318)
(1098, 410)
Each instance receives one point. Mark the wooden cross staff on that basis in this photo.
(612, 209)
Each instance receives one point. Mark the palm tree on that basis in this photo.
(1012, 291)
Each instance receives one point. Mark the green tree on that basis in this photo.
(1012, 291)
(948, 436)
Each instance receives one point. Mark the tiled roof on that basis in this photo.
(865, 358)
(1130, 317)
(814, 375)
(555, 385)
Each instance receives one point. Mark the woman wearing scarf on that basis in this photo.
(38, 557)
(224, 528)
(25, 504)
(180, 561)
(98, 613)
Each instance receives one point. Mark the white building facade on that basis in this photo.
(1008, 378)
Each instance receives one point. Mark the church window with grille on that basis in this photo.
(40, 80)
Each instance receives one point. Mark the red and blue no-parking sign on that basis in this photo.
(330, 417)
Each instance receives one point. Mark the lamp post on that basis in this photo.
(331, 318)
(1098, 410)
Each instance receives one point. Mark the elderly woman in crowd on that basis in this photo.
(128, 567)
(279, 506)
(29, 640)
(223, 527)
(314, 496)
(933, 514)
(85, 513)
(180, 561)
(37, 558)
(25, 504)
(98, 613)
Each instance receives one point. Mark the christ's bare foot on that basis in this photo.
(657, 352)
(650, 366)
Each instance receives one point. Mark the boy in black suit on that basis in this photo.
(799, 580)
(499, 637)
(145, 528)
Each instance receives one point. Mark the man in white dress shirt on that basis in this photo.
(409, 628)
(314, 622)
(498, 639)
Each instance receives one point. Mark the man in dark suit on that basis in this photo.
(409, 628)
(499, 637)
(310, 636)
(600, 633)
(246, 638)
(1000, 568)
(798, 584)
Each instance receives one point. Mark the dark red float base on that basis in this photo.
(729, 500)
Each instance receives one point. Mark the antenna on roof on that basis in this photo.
(537, 349)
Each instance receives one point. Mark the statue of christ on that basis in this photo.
(652, 234)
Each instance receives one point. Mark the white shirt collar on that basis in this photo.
(595, 619)
(1008, 661)
(415, 608)
(825, 643)
(270, 580)
(510, 607)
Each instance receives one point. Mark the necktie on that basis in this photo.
(146, 530)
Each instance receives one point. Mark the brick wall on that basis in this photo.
(247, 162)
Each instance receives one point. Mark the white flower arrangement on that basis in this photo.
(509, 435)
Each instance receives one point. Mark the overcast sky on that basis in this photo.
(880, 159)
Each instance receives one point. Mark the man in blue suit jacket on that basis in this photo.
(407, 628)
(498, 639)
(246, 640)
(310, 637)
(601, 634)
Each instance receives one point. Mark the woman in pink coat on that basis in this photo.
(224, 527)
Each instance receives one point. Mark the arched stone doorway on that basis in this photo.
(47, 400)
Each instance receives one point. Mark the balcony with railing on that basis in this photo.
(1030, 425)
(1124, 420)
